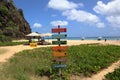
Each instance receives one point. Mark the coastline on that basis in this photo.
(78, 42)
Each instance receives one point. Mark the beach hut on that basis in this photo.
(33, 36)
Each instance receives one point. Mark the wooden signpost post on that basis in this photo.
(59, 52)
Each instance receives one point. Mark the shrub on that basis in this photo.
(113, 76)
(5, 38)
(4, 9)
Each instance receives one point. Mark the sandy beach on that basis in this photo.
(78, 42)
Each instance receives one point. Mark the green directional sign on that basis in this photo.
(57, 36)
(59, 42)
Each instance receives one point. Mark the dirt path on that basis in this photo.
(11, 50)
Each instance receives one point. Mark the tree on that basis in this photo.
(11, 1)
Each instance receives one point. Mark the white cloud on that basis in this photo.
(111, 10)
(83, 16)
(37, 25)
(63, 4)
(69, 9)
(100, 25)
(114, 21)
(61, 23)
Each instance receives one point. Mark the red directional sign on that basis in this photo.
(59, 48)
(58, 30)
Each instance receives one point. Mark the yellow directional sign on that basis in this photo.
(33, 44)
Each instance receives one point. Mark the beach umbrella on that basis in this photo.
(99, 38)
(46, 35)
(82, 38)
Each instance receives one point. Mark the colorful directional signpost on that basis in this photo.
(59, 52)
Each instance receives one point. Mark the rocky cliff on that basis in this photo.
(12, 21)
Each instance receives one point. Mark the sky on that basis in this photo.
(82, 18)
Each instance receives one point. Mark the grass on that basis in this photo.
(88, 59)
(113, 76)
(11, 43)
(82, 60)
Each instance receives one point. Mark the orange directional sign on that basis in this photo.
(59, 54)
(56, 30)
(59, 48)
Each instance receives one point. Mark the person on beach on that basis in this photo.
(105, 39)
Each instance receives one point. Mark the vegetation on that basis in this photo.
(113, 76)
(82, 59)
(5, 38)
(12, 21)
(21, 12)
(89, 59)
(11, 43)
(4, 9)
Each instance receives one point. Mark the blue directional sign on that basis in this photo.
(60, 65)
(57, 36)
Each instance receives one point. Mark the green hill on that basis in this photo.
(12, 21)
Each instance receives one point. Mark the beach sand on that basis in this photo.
(78, 42)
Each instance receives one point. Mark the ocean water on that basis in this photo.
(93, 38)
(89, 38)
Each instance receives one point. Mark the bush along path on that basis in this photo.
(100, 75)
(113, 75)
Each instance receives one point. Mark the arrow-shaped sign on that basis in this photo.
(60, 65)
(59, 42)
(57, 30)
(57, 36)
(59, 48)
(59, 60)
(59, 54)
